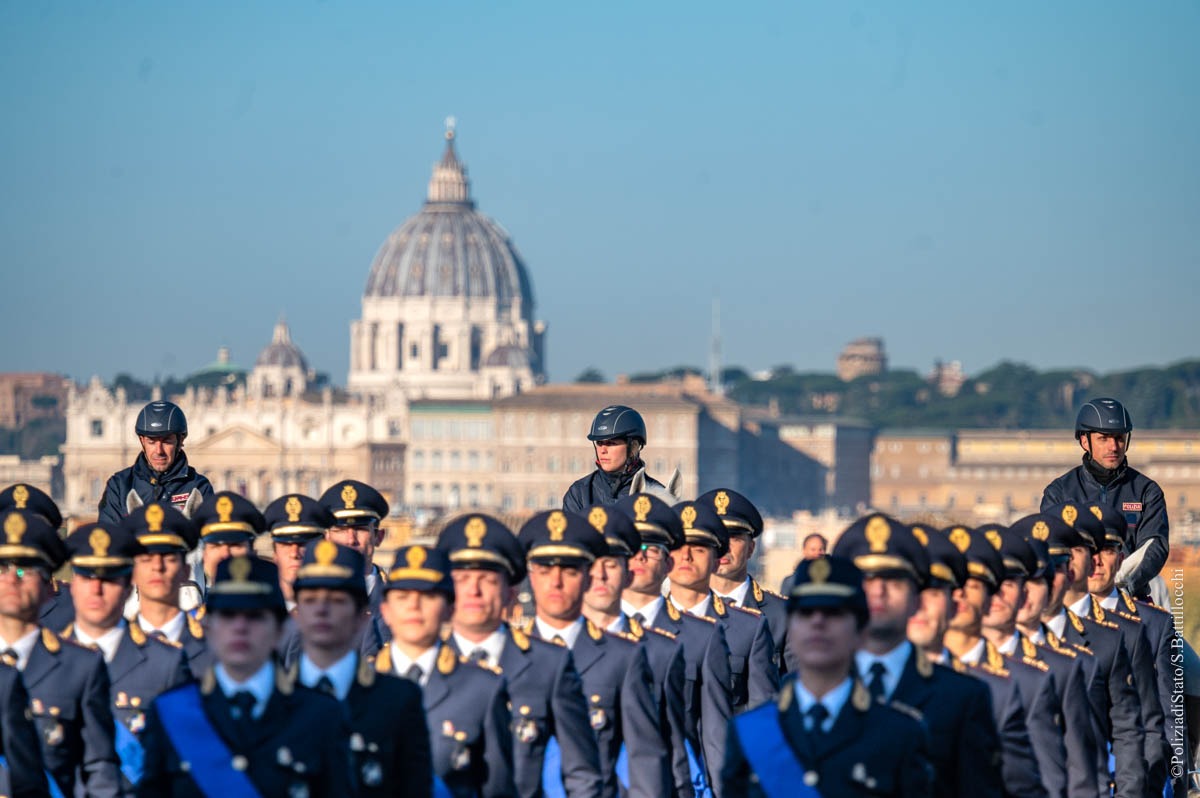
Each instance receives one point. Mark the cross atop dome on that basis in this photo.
(449, 183)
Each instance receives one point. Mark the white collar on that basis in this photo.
(975, 655)
(893, 663)
(372, 576)
(1009, 646)
(260, 685)
(340, 673)
(1038, 637)
(738, 594)
(700, 610)
(648, 613)
(833, 701)
(569, 635)
(493, 644)
(621, 624)
(1057, 624)
(401, 663)
(107, 642)
(172, 629)
(23, 646)
(1083, 607)
(1109, 602)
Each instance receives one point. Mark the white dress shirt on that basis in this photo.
(648, 613)
(401, 663)
(569, 634)
(1058, 624)
(1109, 602)
(23, 646)
(340, 674)
(975, 655)
(260, 685)
(1083, 607)
(172, 629)
(1009, 646)
(833, 701)
(107, 642)
(893, 662)
(738, 594)
(700, 610)
(493, 644)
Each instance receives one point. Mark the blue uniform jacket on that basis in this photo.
(174, 486)
(1018, 764)
(70, 703)
(470, 740)
(751, 653)
(667, 665)
(547, 701)
(24, 776)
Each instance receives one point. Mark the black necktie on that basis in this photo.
(875, 684)
(414, 674)
(324, 685)
(731, 601)
(478, 655)
(641, 619)
(242, 704)
(9, 657)
(159, 634)
(817, 714)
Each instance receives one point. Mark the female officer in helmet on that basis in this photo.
(618, 435)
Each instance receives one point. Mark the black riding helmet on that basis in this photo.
(1103, 415)
(161, 418)
(618, 421)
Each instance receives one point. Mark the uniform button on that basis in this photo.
(811, 778)
(240, 763)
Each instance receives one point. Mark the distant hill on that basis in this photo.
(1006, 396)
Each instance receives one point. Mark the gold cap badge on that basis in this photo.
(224, 509)
(818, 572)
(1069, 514)
(557, 524)
(292, 507)
(239, 569)
(1096, 511)
(688, 516)
(475, 531)
(99, 540)
(961, 539)
(920, 535)
(325, 552)
(416, 556)
(1041, 531)
(641, 508)
(349, 496)
(20, 496)
(14, 528)
(721, 502)
(598, 518)
(878, 533)
(993, 537)
(154, 518)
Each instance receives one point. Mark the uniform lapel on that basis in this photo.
(913, 687)
(437, 689)
(40, 665)
(127, 657)
(847, 728)
(512, 661)
(588, 651)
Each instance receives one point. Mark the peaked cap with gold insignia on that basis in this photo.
(738, 513)
(831, 582)
(702, 526)
(880, 545)
(296, 518)
(227, 517)
(561, 537)
(103, 550)
(162, 529)
(1050, 528)
(421, 568)
(22, 496)
(619, 532)
(326, 564)
(653, 519)
(27, 538)
(246, 583)
(478, 540)
(354, 503)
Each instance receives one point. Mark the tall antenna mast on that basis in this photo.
(716, 384)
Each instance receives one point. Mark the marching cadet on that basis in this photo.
(1157, 623)
(67, 683)
(159, 573)
(389, 756)
(560, 548)
(465, 702)
(57, 611)
(228, 526)
(926, 630)
(708, 681)
(1072, 775)
(1111, 694)
(732, 581)
(825, 735)
(602, 606)
(21, 774)
(895, 567)
(247, 728)
(139, 667)
(550, 715)
(752, 652)
(292, 521)
(1133, 638)
(357, 510)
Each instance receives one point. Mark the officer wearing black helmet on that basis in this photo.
(161, 472)
(618, 435)
(1103, 428)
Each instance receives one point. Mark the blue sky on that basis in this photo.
(969, 181)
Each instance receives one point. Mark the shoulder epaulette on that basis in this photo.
(1083, 649)
(383, 660)
(750, 610)
(1033, 662)
(911, 711)
(1127, 616)
(704, 618)
(665, 634)
(995, 671)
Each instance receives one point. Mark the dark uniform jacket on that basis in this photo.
(963, 741)
(1019, 771)
(1042, 700)
(200, 657)
(141, 669)
(70, 703)
(622, 710)
(1079, 732)
(774, 608)
(389, 751)
(1135, 496)
(174, 486)
(57, 610)
(751, 652)
(667, 665)
(708, 684)
(547, 701)
(23, 777)
(466, 709)
(872, 749)
(599, 488)
(297, 747)
(1114, 700)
